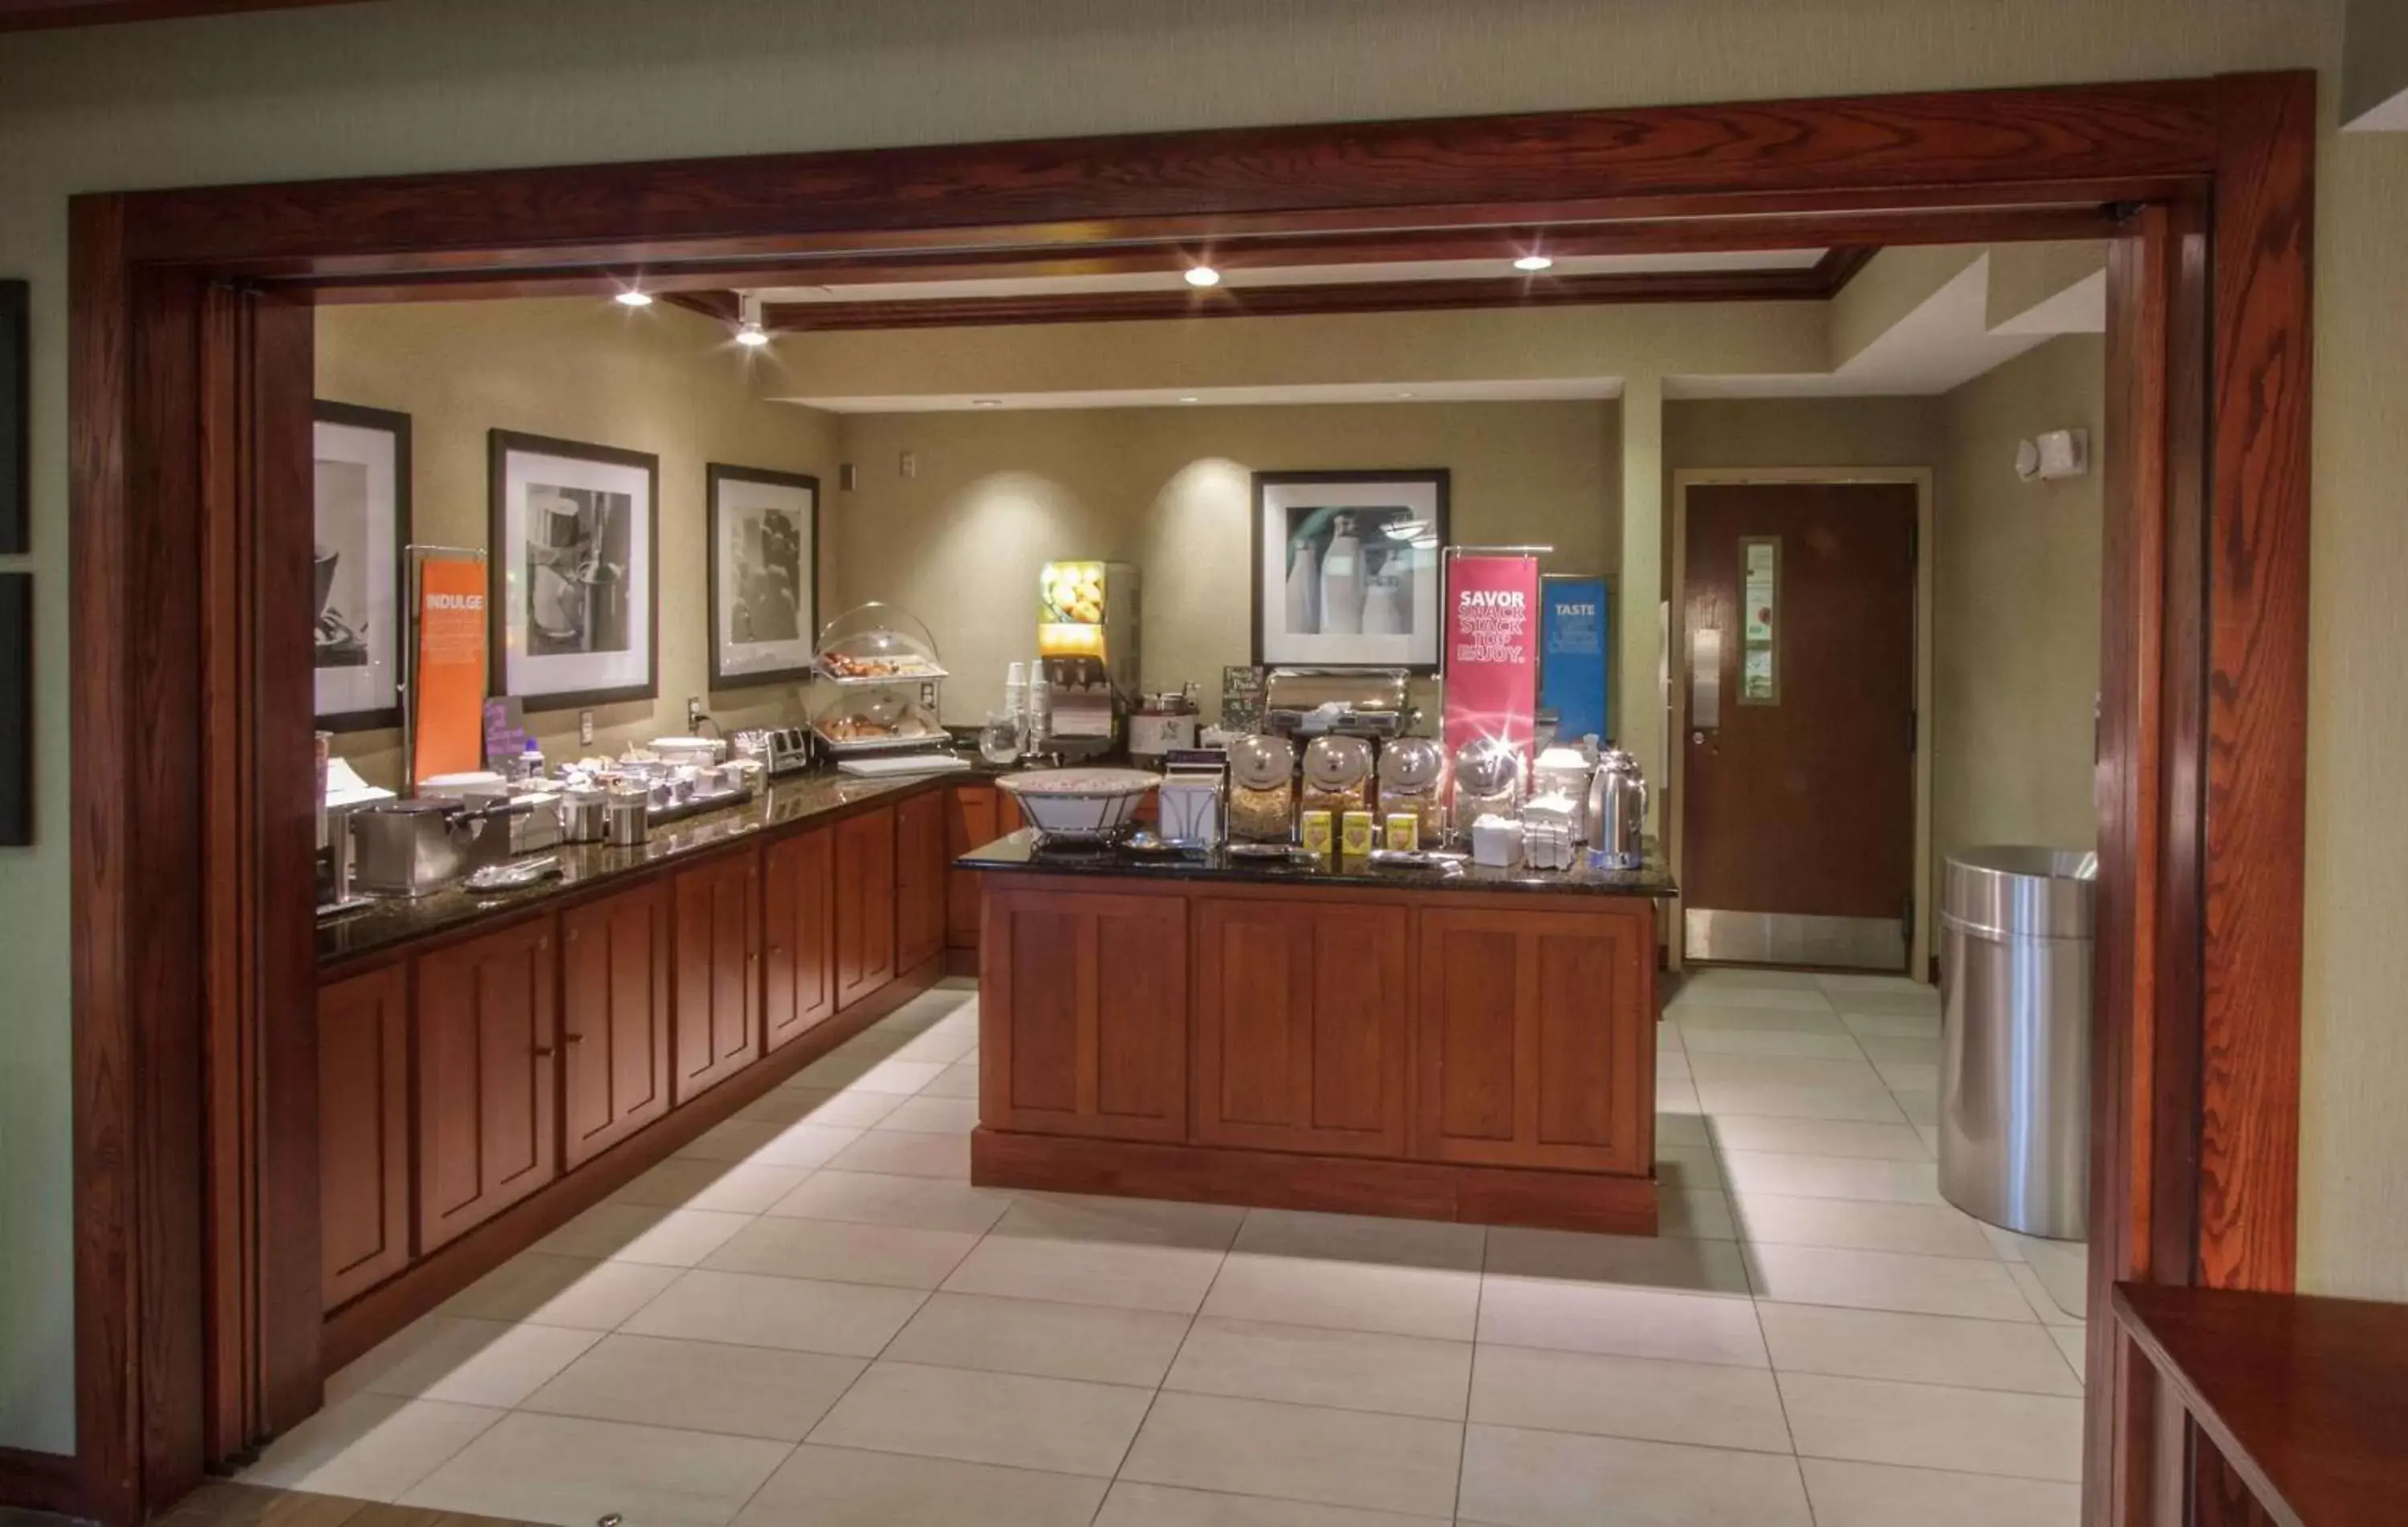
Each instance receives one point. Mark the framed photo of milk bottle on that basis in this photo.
(1346, 568)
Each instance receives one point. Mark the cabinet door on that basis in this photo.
(971, 822)
(614, 1019)
(488, 1079)
(1083, 1014)
(1302, 1023)
(864, 904)
(364, 1131)
(718, 972)
(1537, 1034)
(798, 943)
(919, 880)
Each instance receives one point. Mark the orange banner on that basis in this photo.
(447, 679)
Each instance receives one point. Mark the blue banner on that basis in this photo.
(1572, 656)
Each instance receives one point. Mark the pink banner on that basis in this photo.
(1492, 651)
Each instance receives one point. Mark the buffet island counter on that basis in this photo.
(1319, 1032)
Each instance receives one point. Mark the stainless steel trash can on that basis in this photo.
(2015, 1050)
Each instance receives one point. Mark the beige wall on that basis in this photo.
(661, 379)
(388, 87)
(2016, 575)
(996, 494)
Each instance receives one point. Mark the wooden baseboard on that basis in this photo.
(36, 1481)
(1282, 1180)
(959, 961)
(386, 1308)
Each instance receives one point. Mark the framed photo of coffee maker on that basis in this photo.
(575, 602)
(1346, 568)
(360, 475)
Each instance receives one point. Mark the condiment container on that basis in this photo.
(1262, 790)
(628, 822)
(1404, 834)
(1336, 775)
(1496, 841)
(1312, 831)
(1355, 834)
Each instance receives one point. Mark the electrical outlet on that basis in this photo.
(585, 728)
(693, 714)
(910, 463)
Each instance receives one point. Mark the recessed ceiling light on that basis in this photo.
(1534, 263)
(633, 299)
(1404, 394)
(1191, 397)
(987, 402)
(1203, 275)
(751, 333)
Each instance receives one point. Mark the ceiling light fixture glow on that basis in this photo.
(631, 297)
(750, 332)
(987, 402)
(1190, 397)
(1203, 275)
(1534, 263)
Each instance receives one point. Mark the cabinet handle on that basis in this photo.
(575, 1039)
(544, 1052)
(570, 935)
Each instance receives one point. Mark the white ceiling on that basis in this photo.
(1551, 390)
(1170, 278)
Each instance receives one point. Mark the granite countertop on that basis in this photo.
(1019, 854)
(386, 923)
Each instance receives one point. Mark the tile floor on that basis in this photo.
(810, 1316)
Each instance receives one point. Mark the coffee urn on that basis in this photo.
(1617, 812)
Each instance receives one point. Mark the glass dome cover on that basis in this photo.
(876, 644)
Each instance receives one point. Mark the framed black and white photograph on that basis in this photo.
(361, 491)
(765, 569)
(16, 429)
(1346, 568)
(576, 598)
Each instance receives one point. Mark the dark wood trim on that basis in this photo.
(41, 1481)
(15, 709)
(707, 285)
(1839, 267)
(396, 425)
(356, 1327)
(48, 15)
(1439, 477)
(713, 474)
(2258, 687)
(16, 426)
(500, 443)
(1334, 1184)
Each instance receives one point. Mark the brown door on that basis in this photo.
(1301, 1026)
(1798, 782)
(971, 822)
(488, 1079)
(919, 880)
(864, 904)
(718, 971)
(614, 1012)
(1522, 1062)
(364, 1131)
(798, 956)
(1083, 1015)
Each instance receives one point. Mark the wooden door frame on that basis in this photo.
(1676, 639)
(191, 900)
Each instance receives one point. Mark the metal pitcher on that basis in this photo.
(1617, 811)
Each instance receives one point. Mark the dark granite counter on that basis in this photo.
(1020, 854)
(386, 924)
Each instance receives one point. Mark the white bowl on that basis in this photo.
(1080, 802)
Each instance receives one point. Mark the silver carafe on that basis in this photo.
(1617, 811)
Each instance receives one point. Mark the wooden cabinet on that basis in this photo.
(919, 880)
(1530, 1055)
(1303, 1016)
(864, 904)
(362, 1130)
(1083, 1014)
(971, 822)
(799, 936)
(614, 1019)
(487, 1078)
(716, 914)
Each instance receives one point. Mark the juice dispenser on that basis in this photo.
(1086, 650)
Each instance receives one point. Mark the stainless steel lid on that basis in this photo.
(1354, 689)
(1337, 763)
(1486, 767)
(1262, 763)
(1412, 763)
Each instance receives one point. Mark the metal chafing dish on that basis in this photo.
(1356, 701)
(415, 847)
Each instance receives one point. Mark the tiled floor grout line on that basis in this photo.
(1184, 1337)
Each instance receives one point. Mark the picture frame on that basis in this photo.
(1391, 580)
(16, 709)
(16, 422)
(574, 606)
(763, 574)
(361, 476)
